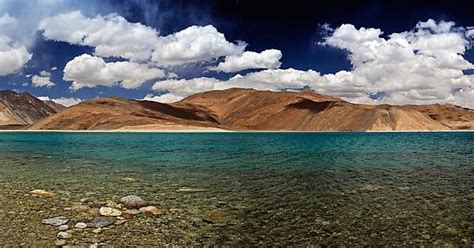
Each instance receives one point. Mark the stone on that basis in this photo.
(80, 208)
(370, 188)
(152, 210)
(80, 225)
(41, 192)
(64, 235)
(213, 217)
(60, 242)
(101, 221)
(190, 190)
(129, 179)
(94, 246)
(129, 213)
(119, 222)
(63, 227)
(56, 221)
(133, 201)
(97, 231)
(108, 211)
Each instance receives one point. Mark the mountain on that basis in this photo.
(119, 113)
(248, 109)
(18, 110)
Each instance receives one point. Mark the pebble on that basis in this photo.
(129, 179)
(98, 230)
(129, 213)
(133, 201)
(101, 221)
(64, 235)
(119, 222)
(63, 227)
(213, 217)
(152, 210)
(370, 188)
(108, 211)
(60, 242)
(56, 221)
(80, 225)
(80, 208)
(41, 192)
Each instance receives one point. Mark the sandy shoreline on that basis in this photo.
(223, 131)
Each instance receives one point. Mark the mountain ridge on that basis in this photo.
(241, 109)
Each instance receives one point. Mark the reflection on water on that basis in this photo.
(269, 188)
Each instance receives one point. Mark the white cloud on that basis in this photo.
(268, 59)
(6, 19)
(42, 80)
(65, 101)
(165, 98)
(114, 36)
(12, 56)
(423, 65)
(54, 68)
(91, 71)
(194, 44)
(110, 35)
(271, 79)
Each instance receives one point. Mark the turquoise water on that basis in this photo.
(271, 188)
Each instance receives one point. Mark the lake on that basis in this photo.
(256, 189)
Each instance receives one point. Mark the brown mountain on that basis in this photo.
(21, 109)
(248, 109)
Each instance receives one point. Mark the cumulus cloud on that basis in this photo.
(165, 98)
(423, 65)
(42, 80)
(12, 56)
(6, 19)
(270, 79)
(114, 36)
(111, 35)
(194, 44)
(86, 71)
(65, 101)
(268, 59)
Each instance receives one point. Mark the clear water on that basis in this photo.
(270, 188)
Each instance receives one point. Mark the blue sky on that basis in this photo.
(363, 52)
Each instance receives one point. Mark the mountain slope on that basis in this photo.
(245, 109)
(22, 109)
(248, 109)
(115, 113)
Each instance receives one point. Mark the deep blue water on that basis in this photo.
(275, 188)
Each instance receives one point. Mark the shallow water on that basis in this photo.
(326, 189)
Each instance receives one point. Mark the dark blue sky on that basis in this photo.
(290, 26)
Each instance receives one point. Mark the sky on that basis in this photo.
(396, 52)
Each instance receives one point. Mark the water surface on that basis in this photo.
(282, 189)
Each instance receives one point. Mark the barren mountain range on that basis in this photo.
(232, 109)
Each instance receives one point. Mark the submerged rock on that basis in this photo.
(60, 242)
(41, 192)
(213, 217)
(152, 210)
(80, 225)
(102, 221)
(129, 179)
(133, 201)
(370, 188)
(63, 227)
(64, 235)
(190, 190)
(129, 213)
(56, 221)
(108, 211)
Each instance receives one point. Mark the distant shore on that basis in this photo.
(224, 131)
